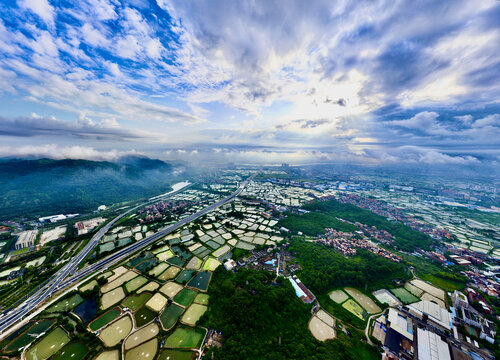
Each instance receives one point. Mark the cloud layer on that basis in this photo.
(366, 81)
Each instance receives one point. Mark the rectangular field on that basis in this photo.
(354, 308)
(339, 296)
(200, 281)
(404, 295)
(435, 291)
(49, 345)
(364, 301)
(184, 338)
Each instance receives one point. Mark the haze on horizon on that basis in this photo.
(378, 82)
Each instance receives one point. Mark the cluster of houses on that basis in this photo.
(346, 243)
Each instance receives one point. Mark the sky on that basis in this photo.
(264, 82)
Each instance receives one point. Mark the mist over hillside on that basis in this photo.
(44, 186)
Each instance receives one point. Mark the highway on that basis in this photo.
(58, 282)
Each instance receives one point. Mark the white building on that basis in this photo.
(436, 313)
(230, 264)
(26, 239)
(431, 347)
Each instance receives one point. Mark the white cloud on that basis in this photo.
(55, 151)
(40, 7)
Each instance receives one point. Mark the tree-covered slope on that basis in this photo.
(46, 186)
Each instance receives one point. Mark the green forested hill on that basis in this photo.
(46, 186)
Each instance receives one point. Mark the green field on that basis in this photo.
(49, 345)
(135, 283)
(184, 338)
(184, 276)
(135, 302)
(72, 351)
(105, 319)
(175, 355)
(170, 315)
(66, 304)
(185, 297)
(201, 299)
(404, 295)
(193, 314)
(354, 308)
(143, 316)
(29, 335)
(176, 261)
(147, 265)
(145, 351)
(211, 264)
(200, 281)
(20, 251)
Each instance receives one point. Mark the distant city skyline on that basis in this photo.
(372, 82)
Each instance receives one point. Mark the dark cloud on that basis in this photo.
(83, 128)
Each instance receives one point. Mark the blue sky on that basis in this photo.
(378, 82)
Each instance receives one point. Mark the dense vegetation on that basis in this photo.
(405, 237)
(314, 223)
(325, 269)
(253, 314)
(47, 187)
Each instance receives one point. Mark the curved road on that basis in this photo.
(58, 282)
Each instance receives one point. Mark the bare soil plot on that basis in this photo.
(119, 271)
(339, 296)
(367, 303)
(157, 302)
(434, 291)
(193, 314)
(119, 281)
(194, 263)
(116, 332)
(141, 335)
(111, 298)
(169, 274)
(385, 297)
(326, 318)
(429, 297)
(320, 330)
(171, 289)
(145, 351)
